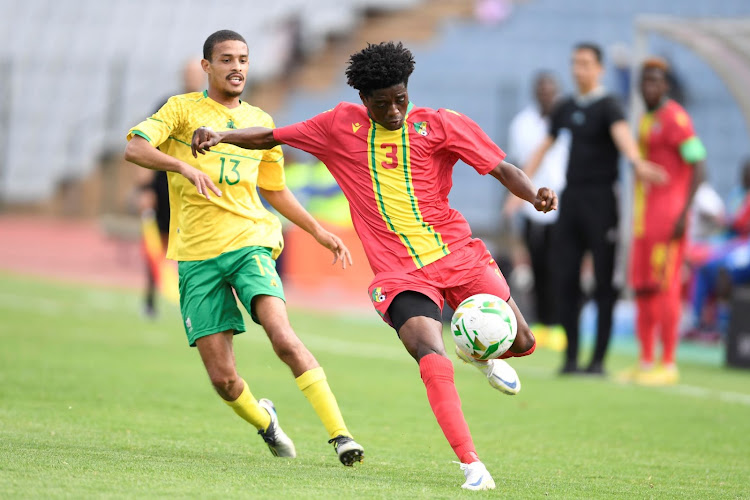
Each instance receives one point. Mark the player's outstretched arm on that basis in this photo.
(249, 138)
(142, 153)
(644, 170)
(288, 206)
(520, 185)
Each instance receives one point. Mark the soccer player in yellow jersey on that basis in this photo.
(225, 240)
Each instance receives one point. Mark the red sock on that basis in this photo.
(646, 318)
(437, 375)
(510, 354)
(671, 305)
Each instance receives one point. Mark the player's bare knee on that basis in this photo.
(286, 350)
(226, 385)
(524, 339)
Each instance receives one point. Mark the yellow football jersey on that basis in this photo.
(199, 228)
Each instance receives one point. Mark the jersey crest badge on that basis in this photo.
(421, 128)
(378, 295)
(230, 124)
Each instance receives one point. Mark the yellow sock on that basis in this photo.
(248, 408)
(314, 386)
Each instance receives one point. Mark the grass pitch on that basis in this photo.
(97, 402)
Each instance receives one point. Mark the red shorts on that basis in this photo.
(655, 264)
(462, 273)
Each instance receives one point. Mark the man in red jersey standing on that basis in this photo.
(666, 137)
(394, 162)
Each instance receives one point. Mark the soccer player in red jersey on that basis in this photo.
(394, 162)
(666, 138)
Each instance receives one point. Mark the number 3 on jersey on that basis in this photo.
(391, 155)
(234, 173)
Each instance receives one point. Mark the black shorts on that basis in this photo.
(409, 304)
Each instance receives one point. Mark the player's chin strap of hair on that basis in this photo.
(510, 354)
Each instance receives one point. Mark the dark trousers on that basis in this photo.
(588, 221)
(538, 239)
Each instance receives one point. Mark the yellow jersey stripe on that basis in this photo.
(405, 147)
(639, 191)
(373, 160)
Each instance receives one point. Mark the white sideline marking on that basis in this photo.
(397, 353)
(702, 392)
(353, 348)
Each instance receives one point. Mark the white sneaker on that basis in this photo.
(500, 374)
(477, 477)
(348, 450)
(278, 442)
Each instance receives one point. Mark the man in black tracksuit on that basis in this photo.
(588, 208)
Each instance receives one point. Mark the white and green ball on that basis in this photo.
(484, 326)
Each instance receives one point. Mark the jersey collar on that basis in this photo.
(590, 97)
(205, 94)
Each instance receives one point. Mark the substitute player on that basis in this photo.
(225, 240)
(394, 162)
(666, 137)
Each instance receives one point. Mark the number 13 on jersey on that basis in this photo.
(231, 177)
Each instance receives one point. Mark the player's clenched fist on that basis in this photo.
(546, 200)
(203, 140)
(200, 180)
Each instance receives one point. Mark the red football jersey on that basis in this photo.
(397, 182)
(666, 137)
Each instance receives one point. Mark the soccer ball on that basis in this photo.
(484, 326)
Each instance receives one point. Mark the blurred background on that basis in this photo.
(74, 76)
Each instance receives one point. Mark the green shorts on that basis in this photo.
(207, 302)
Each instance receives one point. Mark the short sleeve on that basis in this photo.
(465, 139)
(310, 135)
(158, 127)
(271, 167)
(271, 170)
(612, 111)
(683, 137)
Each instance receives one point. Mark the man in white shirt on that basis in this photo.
(528, 130)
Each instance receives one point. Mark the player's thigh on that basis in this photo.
(487, 278)
(641, 275)
(483, 277)
(207, 302)
(602, 234)
(416, 318)
(217, 355)
(569, 245)
(252, 273)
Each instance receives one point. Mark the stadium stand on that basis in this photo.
(491, 67)
(76, 74)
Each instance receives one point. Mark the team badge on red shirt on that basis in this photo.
(421, 128)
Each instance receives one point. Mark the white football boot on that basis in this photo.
(278, 442)
(500, 374)
(477, 477)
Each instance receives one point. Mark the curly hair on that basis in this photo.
(379, 67)
(655, 63)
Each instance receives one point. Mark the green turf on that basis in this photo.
(97, 402)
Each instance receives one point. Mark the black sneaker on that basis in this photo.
(569, 368)
(595, 368)
(348, 449)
